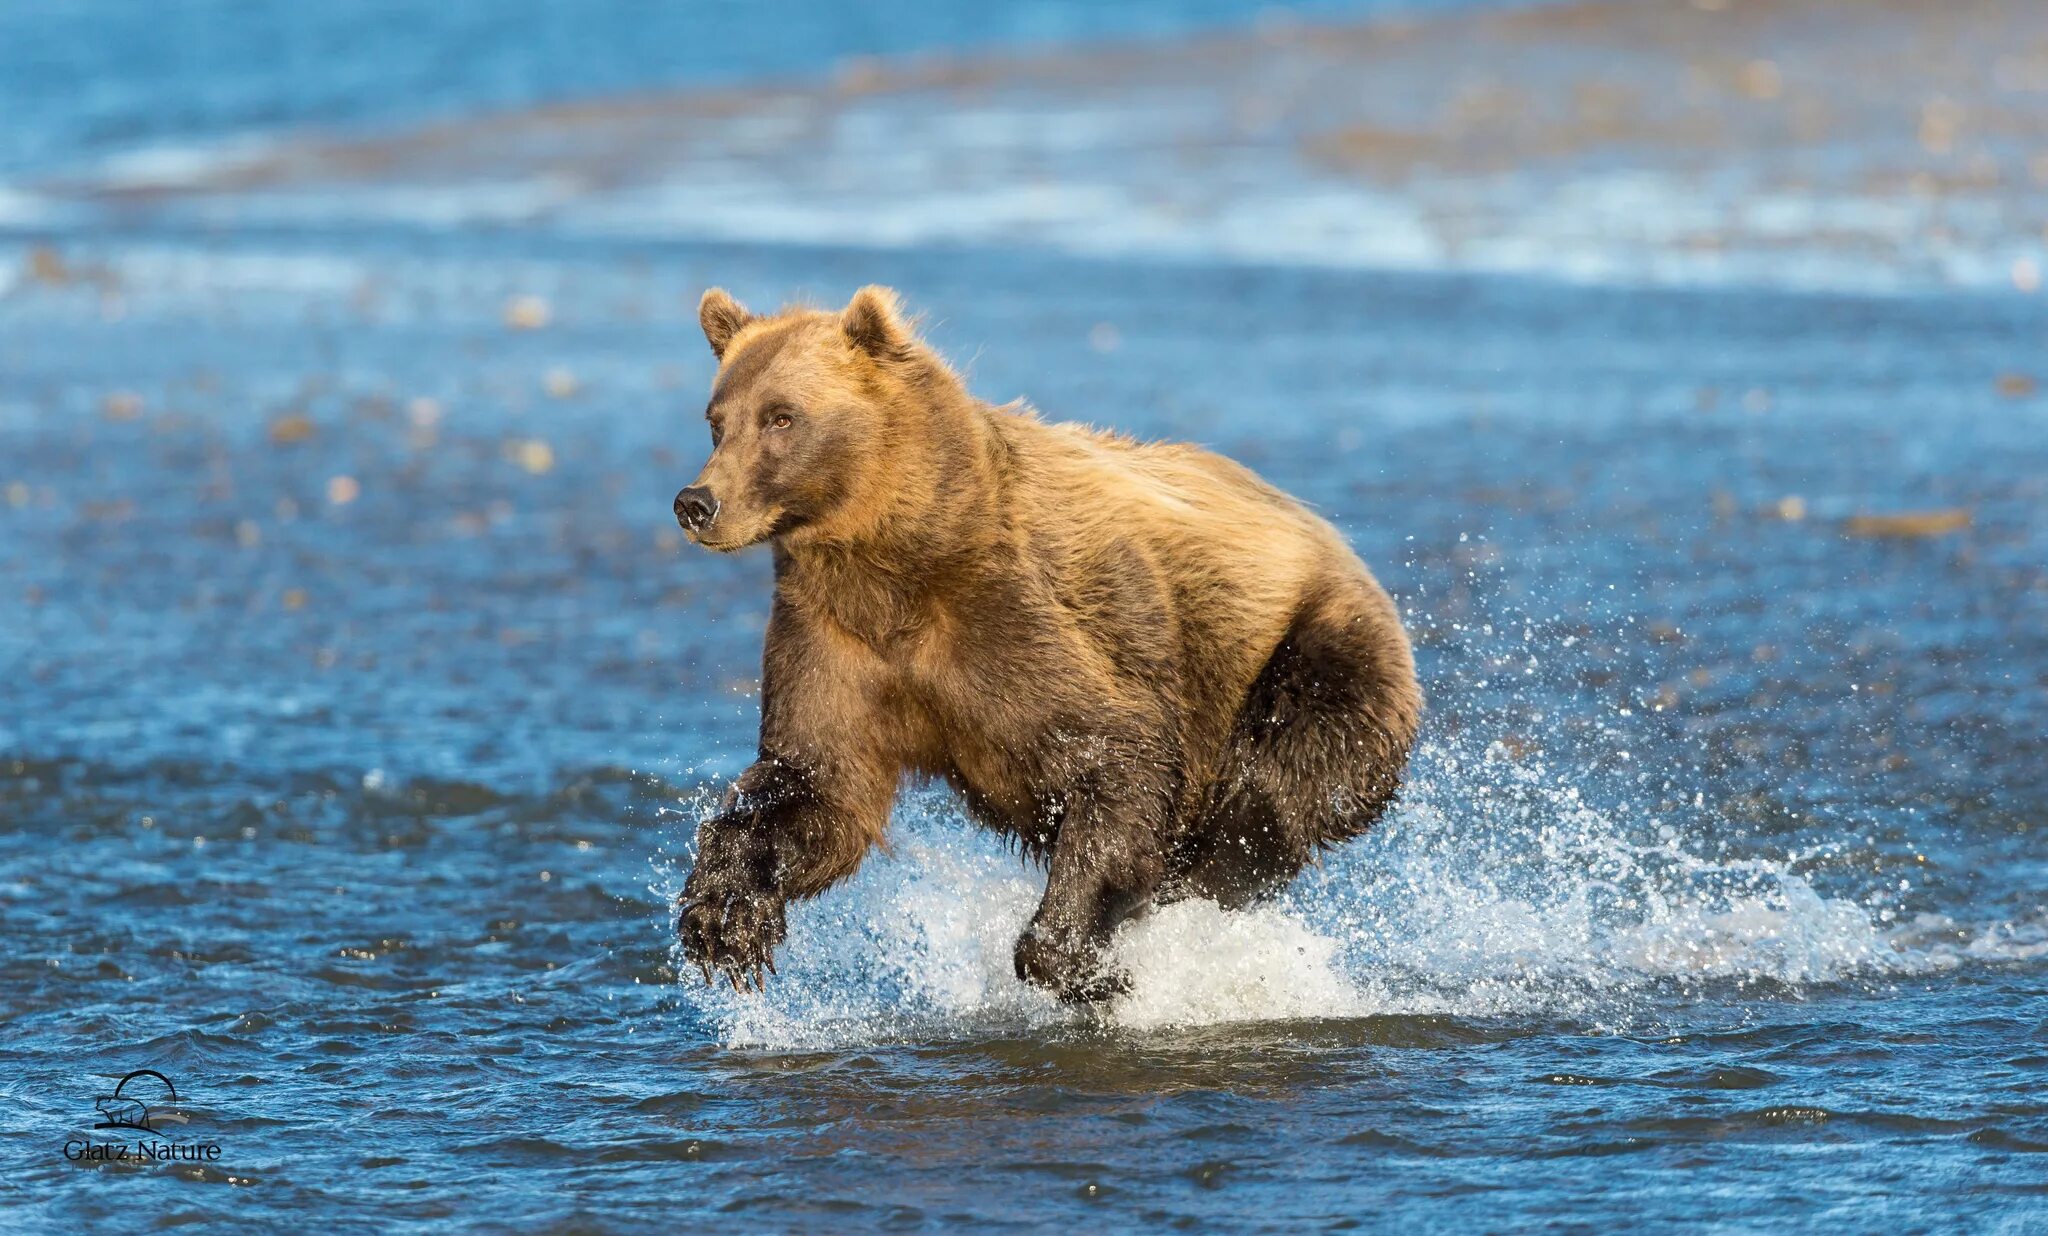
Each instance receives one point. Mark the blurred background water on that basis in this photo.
(1676, 364)
(82, 77)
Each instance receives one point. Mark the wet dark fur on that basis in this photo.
(1160, 676)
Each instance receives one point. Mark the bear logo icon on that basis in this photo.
(126, 1108)
(122, 1113)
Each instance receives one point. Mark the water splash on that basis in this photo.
(1497, 890)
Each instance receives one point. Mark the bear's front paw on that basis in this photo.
(1073, 970)
(734, 933)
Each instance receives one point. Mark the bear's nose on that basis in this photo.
(696, 508)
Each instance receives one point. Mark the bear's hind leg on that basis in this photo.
(1315, 756)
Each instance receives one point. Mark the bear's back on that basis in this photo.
(1239, 557)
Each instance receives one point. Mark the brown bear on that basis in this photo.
(1157, 674)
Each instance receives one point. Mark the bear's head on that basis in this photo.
(814, 420)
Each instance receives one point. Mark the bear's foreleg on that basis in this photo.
(782, 834)
(1107, 860)
(801, 817)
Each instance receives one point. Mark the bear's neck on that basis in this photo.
(932, 527)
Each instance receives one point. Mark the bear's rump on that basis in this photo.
(1314, 754)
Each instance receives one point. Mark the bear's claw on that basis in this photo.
(733, 933)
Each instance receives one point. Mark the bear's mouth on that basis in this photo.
(724, 547)
(772, 526)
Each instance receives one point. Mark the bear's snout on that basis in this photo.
(696, 508)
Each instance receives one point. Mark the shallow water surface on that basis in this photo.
(359, 697)
(362, 702)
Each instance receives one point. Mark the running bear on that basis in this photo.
(1160, 676)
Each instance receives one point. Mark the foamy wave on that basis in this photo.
(182, 165)
(1639, 228)
(1494, 892)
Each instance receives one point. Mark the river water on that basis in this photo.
(360, 699)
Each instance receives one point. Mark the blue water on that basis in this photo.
(83, 77)
(358, 699)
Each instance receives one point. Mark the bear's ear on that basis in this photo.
(721, 317)
(874, 323)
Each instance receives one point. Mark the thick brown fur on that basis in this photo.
(1159, 674)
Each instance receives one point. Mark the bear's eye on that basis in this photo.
(781, 420)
